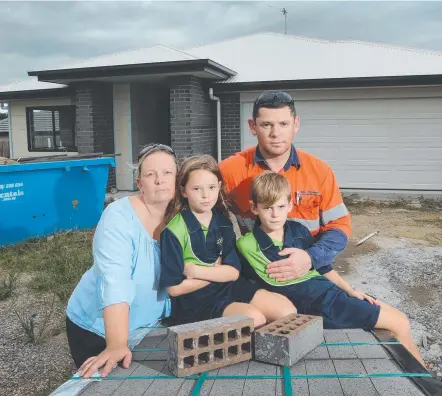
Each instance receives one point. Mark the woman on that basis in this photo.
(119, 293)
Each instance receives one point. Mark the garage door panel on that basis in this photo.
(374, 143)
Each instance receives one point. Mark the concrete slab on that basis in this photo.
(260, 387)
(367, 351)
(230, 387)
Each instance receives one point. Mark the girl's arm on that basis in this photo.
(217, 273)
(186, 286)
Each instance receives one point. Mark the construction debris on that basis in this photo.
(367, 237)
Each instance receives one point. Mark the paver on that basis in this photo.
(287, 340)
(210, 344)
(339, 352)
(322, 386)
(354, 386)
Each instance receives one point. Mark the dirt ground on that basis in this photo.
(401, 265)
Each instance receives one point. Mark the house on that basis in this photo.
(372, 111)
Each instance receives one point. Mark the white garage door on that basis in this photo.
(372, 143)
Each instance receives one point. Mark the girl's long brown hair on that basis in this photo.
(189, 165)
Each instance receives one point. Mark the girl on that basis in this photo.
(199, 263)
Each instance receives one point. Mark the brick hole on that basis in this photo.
(219, 354)
(189, 361)
(293, 327)
(188, 343)
(283, 332)
(233, 350)
(245, 331)
(203, 341)
(203, 358)
(246, 348)
(232, 335)
(218, 338)
(287, 322)
(278, 326)
(271, 329)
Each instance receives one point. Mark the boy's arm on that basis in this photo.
(334, 277)
(172, 267)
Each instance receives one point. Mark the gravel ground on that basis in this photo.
(407, 274)
(25, 368)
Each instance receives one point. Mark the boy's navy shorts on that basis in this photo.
(338, 309)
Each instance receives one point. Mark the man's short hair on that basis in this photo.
(273, 100)
(269, 187)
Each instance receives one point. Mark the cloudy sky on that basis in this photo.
(37, 35)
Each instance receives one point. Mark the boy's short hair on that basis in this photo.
(269, 187)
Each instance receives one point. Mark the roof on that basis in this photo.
(279, 57)
(4, 126)
(334, 361)
(30, 84)
(262, 57)
(151, 54)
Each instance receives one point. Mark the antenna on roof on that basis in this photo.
(284, 12)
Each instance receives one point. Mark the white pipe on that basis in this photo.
(218, 122)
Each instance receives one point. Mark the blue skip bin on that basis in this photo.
(41, 198)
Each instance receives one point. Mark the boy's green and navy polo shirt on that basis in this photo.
(258, 250)
(186, 240)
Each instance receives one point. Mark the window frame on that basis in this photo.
(53, 109)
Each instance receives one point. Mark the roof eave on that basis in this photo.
(353, 82)
(36, 94)
(194, 65)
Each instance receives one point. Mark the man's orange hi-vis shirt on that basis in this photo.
(317, 201)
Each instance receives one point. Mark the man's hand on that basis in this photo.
(296, 265)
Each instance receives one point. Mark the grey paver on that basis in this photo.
(388, 386)
(139, 387)
(299, 386)
(264, 387)
(322, 386)
(161, 387)
(105, 388)
(366, 351)
(230, 387)
(356, 386)
(339, 352)
(318, 353)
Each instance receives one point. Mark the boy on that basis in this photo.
(322, 293)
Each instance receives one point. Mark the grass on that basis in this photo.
(55, 264)
(8, 285)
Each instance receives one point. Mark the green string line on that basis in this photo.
(288, 391)
(240, 377)
(330, 344)
(197, 388)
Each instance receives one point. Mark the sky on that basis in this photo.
(42, 35)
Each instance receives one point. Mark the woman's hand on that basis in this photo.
(363, 296)
(108, 358)
(190, 271)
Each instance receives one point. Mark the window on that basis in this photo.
(51, 128)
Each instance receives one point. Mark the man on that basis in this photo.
(317, 201)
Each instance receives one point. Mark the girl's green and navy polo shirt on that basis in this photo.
(186, 240)
(257, 250)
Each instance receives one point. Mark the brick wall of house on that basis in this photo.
(230, 124)
(192, 117)
(94, 121)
